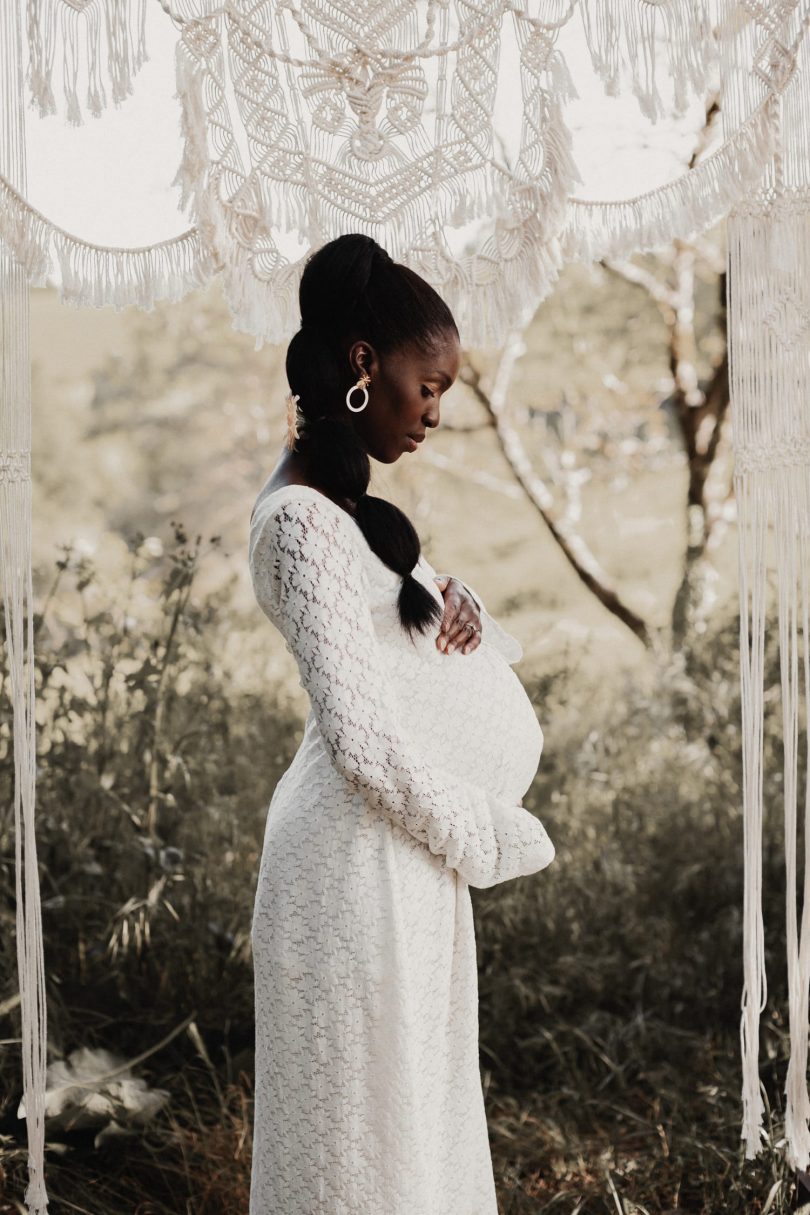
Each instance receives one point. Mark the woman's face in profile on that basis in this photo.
(404, 393)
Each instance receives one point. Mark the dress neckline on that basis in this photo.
(300, 486)
(310, 489)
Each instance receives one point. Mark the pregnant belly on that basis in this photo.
(470, 714)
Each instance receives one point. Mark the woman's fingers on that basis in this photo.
(455, 634)
(470, 643)
(460, 610)
(461, 638)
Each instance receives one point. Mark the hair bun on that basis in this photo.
(315, 329)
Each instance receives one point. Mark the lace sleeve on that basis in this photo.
(308, 578)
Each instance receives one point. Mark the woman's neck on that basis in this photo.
(292, 469)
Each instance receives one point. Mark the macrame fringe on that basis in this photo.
(125, 51)
(513, 271)
(769, 265)
(190, 176)
(95, 275)
(502, 285)
(264, 309)
(586, 231)
(202, 98)
(624, 33)
(26, 235)
(681, 209)
(16, 591)
(752, 533)
(769, 327)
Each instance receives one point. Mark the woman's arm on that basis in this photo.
(308, 578)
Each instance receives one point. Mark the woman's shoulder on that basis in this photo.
(297, 507)
(301, 540)
(276, 491)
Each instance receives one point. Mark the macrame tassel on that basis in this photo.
(792, 508)
(81, 23)
(499, 298)
(265, 308)
(624, 33)
(195, 161)
(197, 73)
(41, 33)
(125, 58)
(562, 84)
(260, 288)
(26, 234)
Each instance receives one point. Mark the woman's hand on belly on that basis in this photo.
(460, 610)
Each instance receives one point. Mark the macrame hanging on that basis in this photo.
(300, 121)
(303, 120)
(769, 367)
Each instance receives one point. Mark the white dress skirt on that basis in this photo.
(404, 792)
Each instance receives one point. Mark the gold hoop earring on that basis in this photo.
(365, 379)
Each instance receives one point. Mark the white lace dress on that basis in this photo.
(403, 793)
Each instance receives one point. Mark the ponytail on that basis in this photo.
(350, 285)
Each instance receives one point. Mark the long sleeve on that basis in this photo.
(308, 578)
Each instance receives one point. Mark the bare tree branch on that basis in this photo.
(699, 408)
(572, 545)
(661, 293)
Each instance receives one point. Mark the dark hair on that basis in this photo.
(352, 288)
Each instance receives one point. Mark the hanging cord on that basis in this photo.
(17, 593)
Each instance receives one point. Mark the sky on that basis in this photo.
(109, 181)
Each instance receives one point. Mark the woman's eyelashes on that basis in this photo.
(426, 390)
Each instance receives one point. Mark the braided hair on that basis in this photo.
(349, 286)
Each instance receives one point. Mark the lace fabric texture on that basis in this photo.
(403, 793)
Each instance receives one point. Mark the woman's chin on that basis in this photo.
(393, 450)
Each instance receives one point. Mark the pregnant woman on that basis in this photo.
(405, 790)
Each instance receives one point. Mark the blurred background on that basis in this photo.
(167, 708)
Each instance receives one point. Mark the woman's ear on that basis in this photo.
(362, 357)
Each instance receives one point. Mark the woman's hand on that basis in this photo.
(460, 610)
